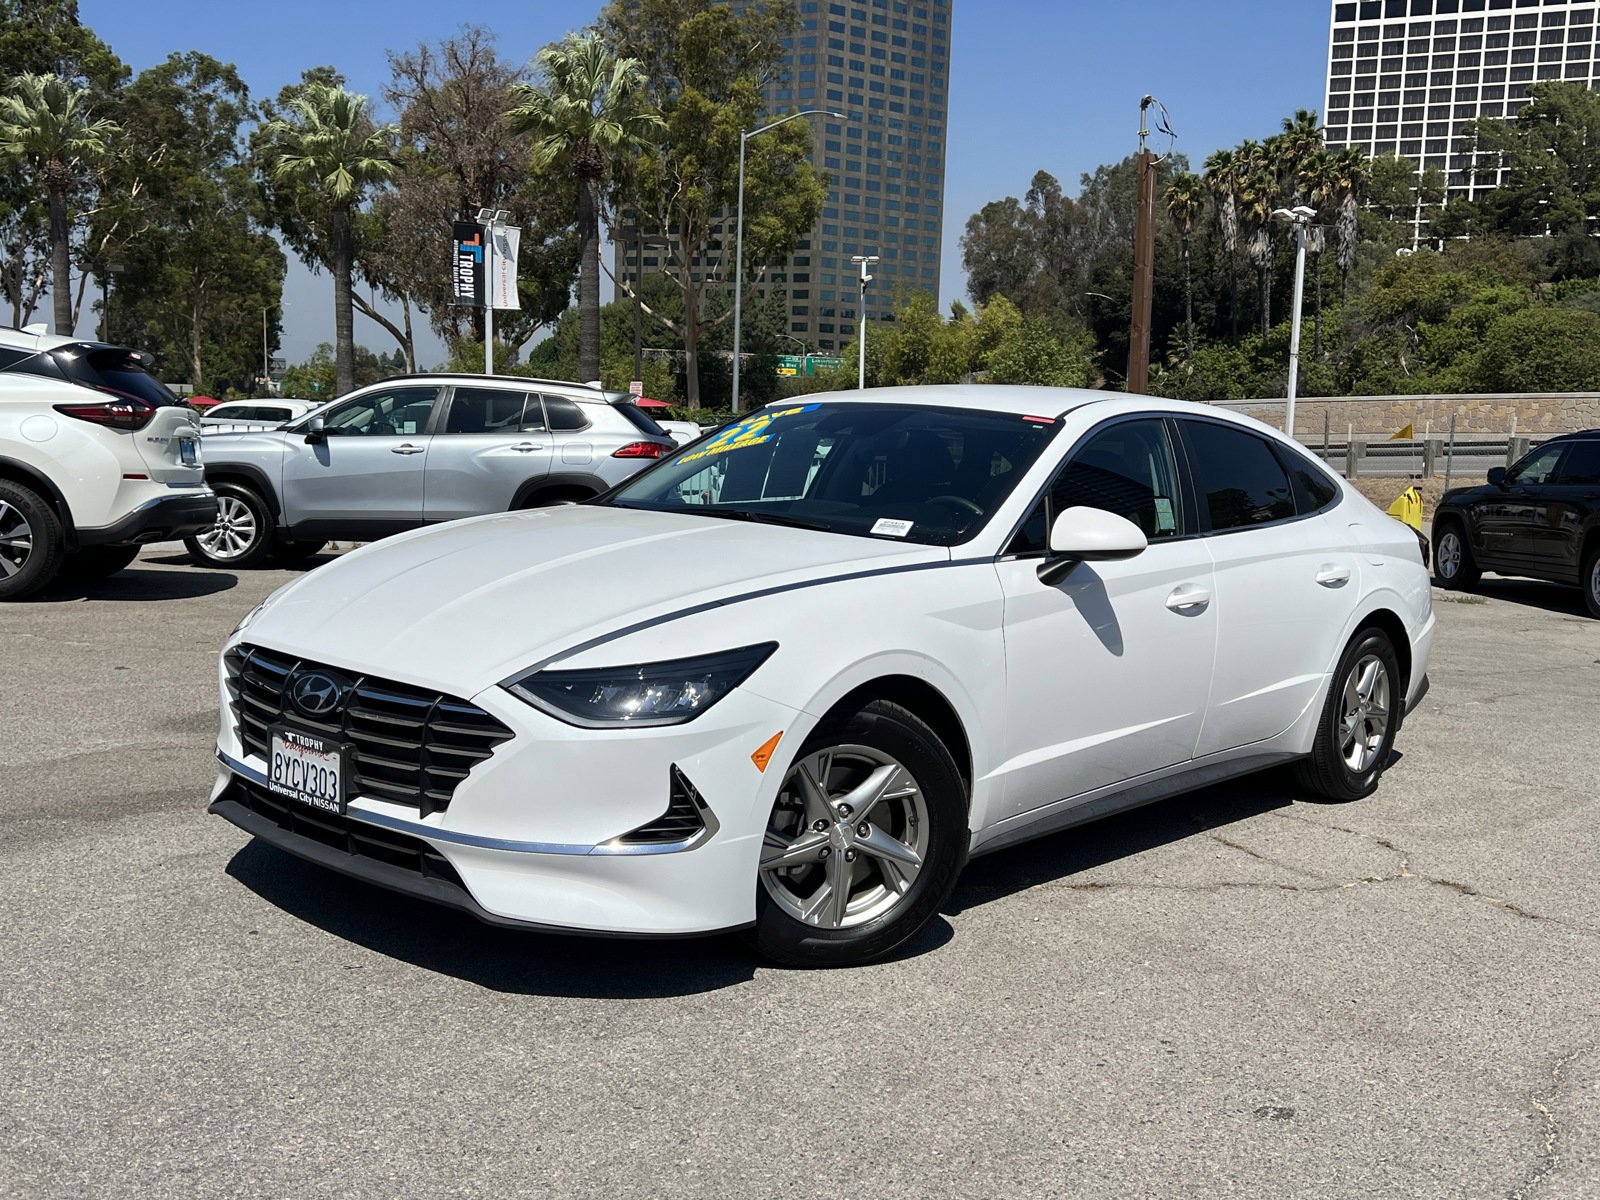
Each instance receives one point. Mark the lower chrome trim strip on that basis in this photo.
(477, 841)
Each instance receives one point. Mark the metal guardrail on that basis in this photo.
(1421, 457)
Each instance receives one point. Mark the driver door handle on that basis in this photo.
(1188, 597)
(526, 447)
(406, 448)
(1333, 575)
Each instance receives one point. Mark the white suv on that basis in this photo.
(96, 459)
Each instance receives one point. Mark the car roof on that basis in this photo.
(1011, 398)
(21, 339)
(585, 391)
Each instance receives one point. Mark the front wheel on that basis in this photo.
(1356, 732)
(243, 534)
(1590, 577)
(1453, 564)
(865, 841)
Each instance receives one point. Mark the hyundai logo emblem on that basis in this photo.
(316, 694)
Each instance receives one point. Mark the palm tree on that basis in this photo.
(588, 109)
(1220, 177)
(1318, 181)
(1298, 144)
(1185, 196)
(1351, 171)
(44, 122)
(328, 142)
(1258, 197)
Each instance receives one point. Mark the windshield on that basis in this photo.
(931, 475)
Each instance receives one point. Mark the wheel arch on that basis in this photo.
(557, 487)
(1391, 624)
(927, 702)
(32, 477)
(252, 477)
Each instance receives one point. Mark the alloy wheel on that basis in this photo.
(235, 530)
(1449, 555)
(1365, 716)
(16, 540)
(1594, 582)
(847, 838)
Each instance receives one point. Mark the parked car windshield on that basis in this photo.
(931, 475)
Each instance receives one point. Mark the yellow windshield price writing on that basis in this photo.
(752, 431)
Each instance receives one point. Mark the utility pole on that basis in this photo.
(1144, 254)
(864, 261)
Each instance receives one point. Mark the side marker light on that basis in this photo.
(764, 752)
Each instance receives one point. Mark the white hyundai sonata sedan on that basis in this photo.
(789, 679)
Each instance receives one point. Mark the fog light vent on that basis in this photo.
(687, 822)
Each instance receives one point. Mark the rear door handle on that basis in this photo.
(1333, 575)
(1188, 596)
(526, 447)
(406, 448)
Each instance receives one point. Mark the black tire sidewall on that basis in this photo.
(1370, 641)
(1586, 581)
(264, 531)
(49, 542)
(897, 732)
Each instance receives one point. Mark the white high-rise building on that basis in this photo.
(1404, 76)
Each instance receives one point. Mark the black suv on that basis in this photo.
(1540, 518)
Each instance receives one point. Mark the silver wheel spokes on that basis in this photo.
(1449, 556)
(234, 532)
(16, 540)
(1594, 580)
(847, 838)
(1365, 715)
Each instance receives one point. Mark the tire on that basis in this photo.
(97, 562)
(1589, 576)
(32, 543)
(243, 534)
(1355, 733)
(297, 551)
(896, 876)
(1453, 564)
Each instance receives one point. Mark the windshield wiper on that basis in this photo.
(758, 517)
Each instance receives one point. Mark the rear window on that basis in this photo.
(112, 370)
(1240, 480)
(563, 415)
(639, 419)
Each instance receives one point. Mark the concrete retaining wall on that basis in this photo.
(1383, 416)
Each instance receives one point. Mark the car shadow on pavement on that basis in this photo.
(299, 565)
(132, 584)
(1061, 855)
(505, 960)
(1534, 593)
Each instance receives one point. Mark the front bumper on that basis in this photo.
(164, 519)
(530, 837)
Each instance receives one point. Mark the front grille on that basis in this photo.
(411, 746)
(341, 833)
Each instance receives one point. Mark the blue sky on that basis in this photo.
(1052, 84)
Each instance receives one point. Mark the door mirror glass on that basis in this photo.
(1094, 535)
(316, 431)
(1497, 476)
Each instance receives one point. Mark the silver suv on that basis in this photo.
(413, 451)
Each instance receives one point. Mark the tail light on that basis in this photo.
(639, 450)
(127, 414)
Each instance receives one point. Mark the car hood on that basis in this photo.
(462, 606)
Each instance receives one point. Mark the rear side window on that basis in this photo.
(1582, 465)
(112, 370)
(490, 410)
(639, 419)
(1240, 480)
(1313, 490)
(10, 358)
(563, 415)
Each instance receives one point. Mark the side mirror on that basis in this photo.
(1084, 534)
(316, 432)
(1497, 476)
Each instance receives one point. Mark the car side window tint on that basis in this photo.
(10, 358)
(1239, 479)
(1313, 490)
(397, 412)
(1581, 467)
(1537, 467)
(563, 415)
(1127, 469)
(272, 414)
(486, 410)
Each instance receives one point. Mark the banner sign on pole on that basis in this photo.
(467, 282)
(503, 284)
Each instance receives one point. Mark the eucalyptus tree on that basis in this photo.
(46, 124)
(587, 110)
(326, 144)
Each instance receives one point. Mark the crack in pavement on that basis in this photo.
(1549, 1155)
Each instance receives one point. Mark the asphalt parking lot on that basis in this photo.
(1230, 993)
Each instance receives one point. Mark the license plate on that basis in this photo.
(307, 769)
(189, 452)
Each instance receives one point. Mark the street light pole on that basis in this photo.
(738, 234)
(1301, 215)
(864, 261)
(491, 219)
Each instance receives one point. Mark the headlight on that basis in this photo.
(663, 693)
